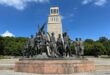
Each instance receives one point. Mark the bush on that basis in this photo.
(98, 49)
(13, 46)
(88, 49)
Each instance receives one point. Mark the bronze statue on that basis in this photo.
(79, 47)
(53, 46)
(29, 47)
(60, 45)
(67, 44)
(46, 43)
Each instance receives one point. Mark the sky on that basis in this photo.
(88, 19)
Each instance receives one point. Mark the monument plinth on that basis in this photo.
(45, 66)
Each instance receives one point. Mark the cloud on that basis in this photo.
(95, 2)
(7, 33)
(86, 1)
(69, 16)
(100, 2)
(20, 4)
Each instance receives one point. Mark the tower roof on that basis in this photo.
(54, 7)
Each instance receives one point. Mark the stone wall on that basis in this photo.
(54, 66)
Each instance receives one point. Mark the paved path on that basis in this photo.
(10, 72)
(100, 61)
(7, 63)
(102, 64)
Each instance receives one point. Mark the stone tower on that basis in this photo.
(54, 22)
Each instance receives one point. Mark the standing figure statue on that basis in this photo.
(53, 46)
(44, 38)
(39, 40)
(60, 46)
(25, 49)
(30, 47)
(79, 47)
(45, 43)
(37, 44)
(67, 44)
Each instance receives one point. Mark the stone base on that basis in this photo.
(54, 66)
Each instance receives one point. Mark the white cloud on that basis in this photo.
(86, 1)
(7, 33)
(20, 4)
(71, 15)
(95, 2)
(100, 2)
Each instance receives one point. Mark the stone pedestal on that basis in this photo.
(54, 66)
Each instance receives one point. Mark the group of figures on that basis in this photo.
(45, 42)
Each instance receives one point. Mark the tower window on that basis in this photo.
(52, 11)
(57, 10)
(56, 19)
(51, 19)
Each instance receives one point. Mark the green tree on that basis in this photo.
(108, 48)
(103, 39)
(89, 41)
(105, 43)
(88, 49)
(14, 45)
(1, 45)
(98, 49)
(88, 46)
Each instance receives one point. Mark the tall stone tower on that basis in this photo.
(54, 22)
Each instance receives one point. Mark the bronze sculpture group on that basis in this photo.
(47, 43)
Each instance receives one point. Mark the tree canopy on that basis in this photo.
(11, 45)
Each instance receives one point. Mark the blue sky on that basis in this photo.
(80, 18)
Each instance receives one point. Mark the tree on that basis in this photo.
(89, 41)
(95, 48)
(88, 46)
(1, 45)
(98, 49)
(103, 39)
(108, 47)
(105, 43)
(14, 45)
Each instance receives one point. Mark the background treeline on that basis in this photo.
(98, 47)
(13, 46)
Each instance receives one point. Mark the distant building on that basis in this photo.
(54, 22)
